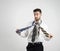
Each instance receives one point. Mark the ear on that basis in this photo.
(41, 14)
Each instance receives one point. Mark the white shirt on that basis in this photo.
(28, 33)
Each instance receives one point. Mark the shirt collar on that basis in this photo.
(40, 21)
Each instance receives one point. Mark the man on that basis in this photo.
(34, 31)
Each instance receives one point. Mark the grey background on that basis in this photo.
(16, 14)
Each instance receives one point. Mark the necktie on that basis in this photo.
(44, 31)
(34, 33)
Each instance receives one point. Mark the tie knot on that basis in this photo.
(37, 23)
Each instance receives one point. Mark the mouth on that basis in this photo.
(36, 19)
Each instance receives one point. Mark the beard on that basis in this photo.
(37, 19)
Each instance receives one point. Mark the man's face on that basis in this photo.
(37, 15)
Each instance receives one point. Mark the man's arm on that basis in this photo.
(22, 33)
(44, 29)
(46, 33)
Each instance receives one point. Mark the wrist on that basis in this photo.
(18, 31)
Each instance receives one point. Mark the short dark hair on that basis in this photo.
(37, 9)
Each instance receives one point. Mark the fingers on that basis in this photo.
(49, 36)
(17, 31)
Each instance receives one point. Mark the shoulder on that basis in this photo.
(44, 24)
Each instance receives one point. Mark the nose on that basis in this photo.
(35, 15)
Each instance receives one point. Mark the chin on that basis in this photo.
(37, 19)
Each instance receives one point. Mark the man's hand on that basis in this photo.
(18, 32)
(49, 36)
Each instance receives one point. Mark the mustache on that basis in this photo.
(37, 19)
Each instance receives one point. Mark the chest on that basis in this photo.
(31, 30)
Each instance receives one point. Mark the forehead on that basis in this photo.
(37, 12)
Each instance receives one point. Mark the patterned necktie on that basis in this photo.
(44, 31)
(34, 33)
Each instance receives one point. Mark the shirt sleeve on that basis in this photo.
(25, 33)
(44, 26)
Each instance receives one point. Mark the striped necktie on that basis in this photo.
(42, 29)
(34, 33)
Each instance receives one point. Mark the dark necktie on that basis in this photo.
(34, 33)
